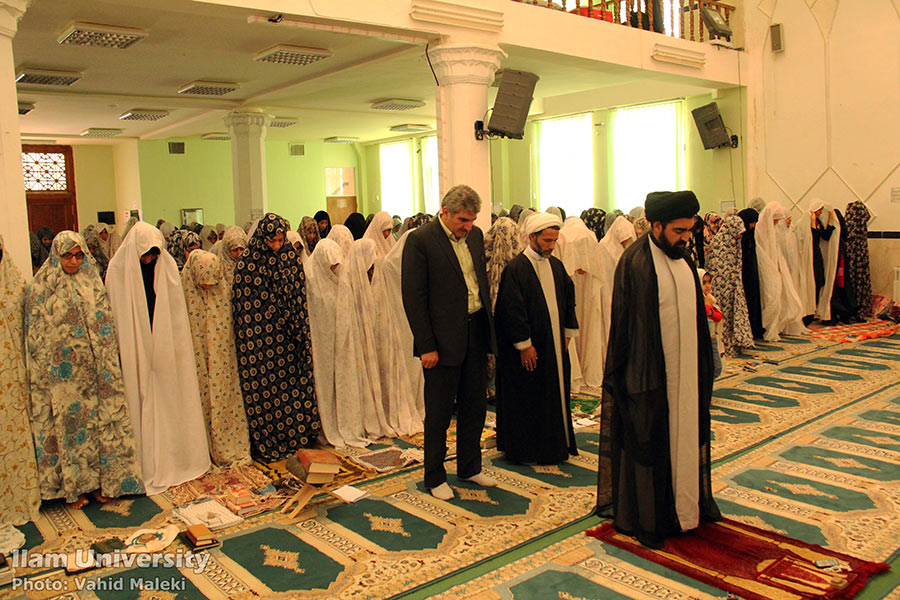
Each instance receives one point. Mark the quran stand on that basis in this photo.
(302, 498)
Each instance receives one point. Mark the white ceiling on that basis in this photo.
(189, 41)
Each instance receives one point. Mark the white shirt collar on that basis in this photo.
(530, 253)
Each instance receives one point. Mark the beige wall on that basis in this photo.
(95, 182)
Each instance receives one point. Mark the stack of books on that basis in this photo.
(317, 466)
(241, 501)
(199, 537)
(6, 571)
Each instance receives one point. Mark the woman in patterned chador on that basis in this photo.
(271, 325)
(83, 437)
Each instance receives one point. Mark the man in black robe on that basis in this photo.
(535, 319)
(654, 471)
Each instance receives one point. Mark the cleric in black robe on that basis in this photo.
(635, 478)
(843, 298)
(535, 318)
(750, 271)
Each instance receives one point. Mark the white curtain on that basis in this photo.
(646, 152)
(565, 163)
(397, 180)
(430, 178)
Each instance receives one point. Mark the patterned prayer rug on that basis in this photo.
(753, 563)
(856, 332)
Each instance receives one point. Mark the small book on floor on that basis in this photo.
(6, 571)
(205, 545)
(108, 546)
(318, 461)
(200, 534)
(349, 494)
(76, 562)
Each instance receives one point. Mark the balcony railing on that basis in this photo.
(674, 18)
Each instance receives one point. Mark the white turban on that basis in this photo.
(541, 221)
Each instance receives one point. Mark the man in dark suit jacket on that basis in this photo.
(447, 302)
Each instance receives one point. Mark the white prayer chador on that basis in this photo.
(578, 249)
(620, 231)
(781, 309)
(802, 265)
(362, 258)
(381, 222)
(343, 237)
(829, 249)
(158, 364)
(337, 355)
(396, 361)
(112, 241)
(678, 320)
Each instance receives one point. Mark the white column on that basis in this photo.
(13, 210)
(128, 181)
(464, 72)
(248, 164)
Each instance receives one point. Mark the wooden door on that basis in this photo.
(339, 208)
(50, 187)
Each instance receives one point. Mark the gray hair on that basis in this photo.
(461, 198)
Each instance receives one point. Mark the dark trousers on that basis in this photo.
(466, 383)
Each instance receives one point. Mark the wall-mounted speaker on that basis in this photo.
(710, 126)
(776, 37)
(106, 216)
(176, 147)
(514, 96)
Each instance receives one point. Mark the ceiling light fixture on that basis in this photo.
(292, 55)
(102, 36)
(143, 114)
(25, 108)
(397, 104)
(339, 139)
(281, 122)
(101, 132)
(412, 128)
(216, 136)
(208, 88)
(27, 75)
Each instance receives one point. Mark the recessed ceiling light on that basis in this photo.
(282, 122)
(397, 104)
(218, 137)
(142, 114)
(292, 55)
(103, 36)
(338, 139)
(46, 76)
(101, 132)
(412, 128)
(208, 88)
(25, 108)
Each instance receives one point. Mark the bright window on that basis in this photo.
(430, 178)
(646, 152)
(397, 179)
(565, 163)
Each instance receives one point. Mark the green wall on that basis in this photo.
(95, 182)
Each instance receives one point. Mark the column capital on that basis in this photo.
(466, 63)
(245, 119)
(11, 12)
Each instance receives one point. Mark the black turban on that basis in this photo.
(749, 215)
(668, 206)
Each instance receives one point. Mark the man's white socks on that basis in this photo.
(442, 492)
(481, 479)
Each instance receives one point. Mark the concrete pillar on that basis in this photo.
(128, 181)
(13, 210)
(464, 72)
(248, 164)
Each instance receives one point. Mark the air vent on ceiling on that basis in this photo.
(46, 76)
(218, 137)
(143, 114)
(292, 55)
(297, 150)
(397, 104)
(282, 122)
(103, 36)
(338, 139)
(25, 108)
(412, 128)
(101, 132)
(208, 88)
(176, 147)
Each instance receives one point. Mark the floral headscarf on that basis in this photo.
(724, 264)
(178, 244)
(857, 255)
(712, 222)
(594, 219)
(501, 245)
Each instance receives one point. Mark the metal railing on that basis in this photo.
(674, 18)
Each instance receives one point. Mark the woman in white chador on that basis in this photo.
(802, 265)
(829, 249)
(337, 354)
(578, 249)
(619, 235)
(781, 307)
(157, 355)
(397, 364)
(359, 275)
(380, 231)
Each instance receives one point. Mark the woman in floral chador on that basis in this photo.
(83, 437)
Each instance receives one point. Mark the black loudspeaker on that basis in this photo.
(513, 101)
(106, 216)
(710, 126)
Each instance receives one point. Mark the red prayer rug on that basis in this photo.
(857, 332)
(753, 563)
